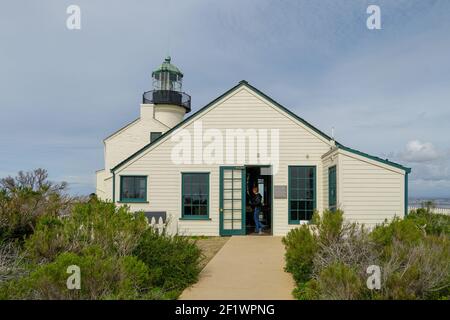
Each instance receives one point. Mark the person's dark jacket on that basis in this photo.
(256, 201)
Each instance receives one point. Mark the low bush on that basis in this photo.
(174, 260)
(301, 245)
(119, 254)
(398, 229)
(329, 259)
(329, 226)
(339, 282)
(116, 231)
(419, 271)
(43, 231)
(27, 197)
(102, 277)
(432, 223)
(11, 261)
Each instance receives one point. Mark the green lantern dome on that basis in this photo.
(167, 77)
(166, 66)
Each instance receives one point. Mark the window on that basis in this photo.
(133, 188)
(154, 136)
(195, 195)
(332, 188)
(302, 193)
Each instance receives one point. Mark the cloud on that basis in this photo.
(430, 165)
(417, 151)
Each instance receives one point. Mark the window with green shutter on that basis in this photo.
(195, 195)
(302, 193)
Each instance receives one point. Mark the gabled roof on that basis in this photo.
(246, 84)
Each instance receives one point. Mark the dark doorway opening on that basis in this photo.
(260, 176)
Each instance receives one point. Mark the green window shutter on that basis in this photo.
(301, 193)
(332, 188)
(195, 195)
(154, 136)
(133, 188)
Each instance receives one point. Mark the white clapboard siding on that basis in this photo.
(370, 192)
(242, 109)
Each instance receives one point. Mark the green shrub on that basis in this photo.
(174, 260)
(329, 226)
(340, 282)
(420, 271)
(301, 245)
(307, 290)
(27, 197)
(12, 264)
(120, 256)
(102, 277)
(335, 282)
(398, 229)
(116, 230)
(48, 239)
(432, 223)
(329, 258)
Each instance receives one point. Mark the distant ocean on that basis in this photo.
(439, 202)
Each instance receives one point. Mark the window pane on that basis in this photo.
(133, 188)
(294, 205)
(195, 211)
(127, 187)
(140, 189)
(203, 210)
(294, 215)
(301, 192)
(187, 210)
(195, 193)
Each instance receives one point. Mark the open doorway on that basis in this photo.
(261, 177)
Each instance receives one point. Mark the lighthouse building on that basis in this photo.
(196, 172)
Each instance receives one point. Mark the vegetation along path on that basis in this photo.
(247, 267)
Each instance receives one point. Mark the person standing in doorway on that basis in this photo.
(256, 203)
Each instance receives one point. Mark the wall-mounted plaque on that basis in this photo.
(280, 192)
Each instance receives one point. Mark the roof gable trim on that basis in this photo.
(368, 156)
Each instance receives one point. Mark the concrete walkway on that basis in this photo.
(247, 267)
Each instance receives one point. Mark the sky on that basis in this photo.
(385, 92)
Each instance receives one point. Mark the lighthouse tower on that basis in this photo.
(170, 103)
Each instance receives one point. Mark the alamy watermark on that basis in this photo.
(227, 146)
(73, 21)
(374, 280)
(374, 20)
(74, 280)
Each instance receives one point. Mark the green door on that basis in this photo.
(232, 201)
(332, 188)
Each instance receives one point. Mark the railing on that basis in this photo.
(434, 210)
(157, 219)
(157, 224)
(167, 97)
